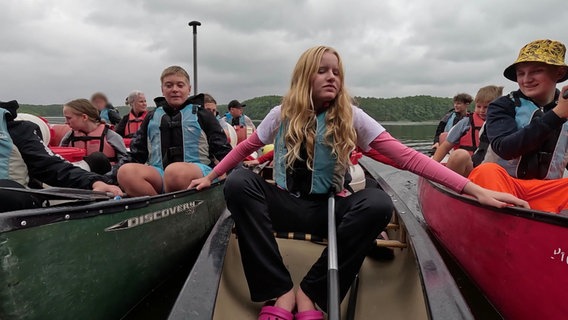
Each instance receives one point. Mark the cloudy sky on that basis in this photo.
(52, 51)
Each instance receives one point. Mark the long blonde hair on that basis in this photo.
(299, 113)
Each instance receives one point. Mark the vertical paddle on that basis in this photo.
(333, 307)
(194, 25)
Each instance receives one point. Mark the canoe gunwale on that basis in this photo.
(499, 248)
(442, 295)
(198, 296)
(29, 218)
(532, 214)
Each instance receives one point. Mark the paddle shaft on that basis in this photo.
(54, 193)
(194, 25)
(333, 307)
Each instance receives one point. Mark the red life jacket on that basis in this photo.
(470, 140)
(133, 124)
(95, 141)
(243, 132)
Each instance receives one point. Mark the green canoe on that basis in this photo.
(98, 260)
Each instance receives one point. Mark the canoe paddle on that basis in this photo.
(54, 193)
(333, 307)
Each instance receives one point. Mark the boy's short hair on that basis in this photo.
(488, 93)
(174, 70)
(463, 97)
(99, 95)
(207, 98)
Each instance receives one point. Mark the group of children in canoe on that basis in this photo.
(314, 132)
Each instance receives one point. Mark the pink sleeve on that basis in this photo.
(238, 154)
(418, 163)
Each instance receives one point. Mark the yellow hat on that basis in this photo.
(547, 51)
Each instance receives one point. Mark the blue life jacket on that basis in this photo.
(104, 115)
(450, 122)
(300, 179)
(12, 165)
(162, 150)
(550, 160)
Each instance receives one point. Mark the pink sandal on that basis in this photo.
(310, 315)
(275, 313)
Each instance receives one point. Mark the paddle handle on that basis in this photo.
(333, 307)
(565, 94)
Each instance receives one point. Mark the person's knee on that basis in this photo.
(460, 156)
(237, 181)
(487, 172)
(378, 207)
(182, 172)
(173, 170)
(125, 173)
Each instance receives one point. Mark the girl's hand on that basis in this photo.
(103, 187)
(250, 163)
(494, 198)
(200, 183)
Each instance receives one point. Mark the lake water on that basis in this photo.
(416, 135)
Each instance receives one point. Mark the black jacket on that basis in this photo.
(507, 141)
(42, 164)
(113, 115)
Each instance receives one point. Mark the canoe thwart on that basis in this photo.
(390, 243)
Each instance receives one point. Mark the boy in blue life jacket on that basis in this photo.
(528, 132)
(461, 103)
(175, 143)
(107, 111)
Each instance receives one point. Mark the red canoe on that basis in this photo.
(518, 257)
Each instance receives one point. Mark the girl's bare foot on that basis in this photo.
(286, 301)
(303, 302)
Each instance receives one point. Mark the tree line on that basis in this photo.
(413, 108)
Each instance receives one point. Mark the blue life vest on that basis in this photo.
(12, 165)
(450, 122)
(190, 150)
(104, 115)
(545, 163)
(325, 166)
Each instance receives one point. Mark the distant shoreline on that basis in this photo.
(408, 123)
(388, 123)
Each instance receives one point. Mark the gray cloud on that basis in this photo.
(54, 51)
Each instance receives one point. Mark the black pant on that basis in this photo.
(258, 208)
(11, 201)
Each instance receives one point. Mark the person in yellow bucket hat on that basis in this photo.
(528, 132)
